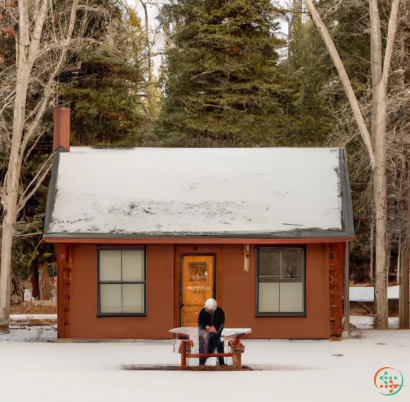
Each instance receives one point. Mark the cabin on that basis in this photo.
(144, 236)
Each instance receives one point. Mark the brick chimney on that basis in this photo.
(61, 134)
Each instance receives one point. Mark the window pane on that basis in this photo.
(197, 271)
(110, 296)
(133, 265)
(117, 299)
(269, 297)
(269, 263)
(292, 264)
(110, 265)
(291, 297)
(133, 298)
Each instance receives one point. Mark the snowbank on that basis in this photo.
(30, 317)
(366, 293)
(363, 322)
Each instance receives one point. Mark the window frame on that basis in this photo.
(115, 247)
(279, 280)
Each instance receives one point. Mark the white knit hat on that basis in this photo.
(211, 305)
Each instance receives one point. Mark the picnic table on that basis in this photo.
(187, 338)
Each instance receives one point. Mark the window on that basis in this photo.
(121, 282)
(280, 281)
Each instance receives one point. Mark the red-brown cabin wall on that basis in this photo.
(84, 322)
(235, 294)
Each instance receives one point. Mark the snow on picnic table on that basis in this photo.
(302, 371)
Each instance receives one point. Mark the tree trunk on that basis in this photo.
(344, 78)
(379, 171)
(379, 180)
(297, 15)
(5, 274)
(398, 268)
(371, 246)
(10, 188)
(150, 90)
(404, 318)
(25, 52)
(294, 23)
(404, 296)
(388, 257)
(378, 156)
(31, 19)
(346, 287)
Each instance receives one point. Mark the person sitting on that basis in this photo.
(211, 321)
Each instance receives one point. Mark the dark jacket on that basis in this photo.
(217, 319)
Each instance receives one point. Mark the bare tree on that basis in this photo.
(152, 39)
(397, 144)
(148, 49)
(45, 34)
(380, 74)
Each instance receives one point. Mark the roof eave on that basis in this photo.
(328, 237)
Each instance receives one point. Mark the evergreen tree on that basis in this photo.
(309, 65)
(224, 87)
(106, 93)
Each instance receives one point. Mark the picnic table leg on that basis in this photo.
(237, 350)
(237, 361)
(183, 356)
(184, 349)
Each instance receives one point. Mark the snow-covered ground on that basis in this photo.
(366, 293)
(302, 371)
(28, 333)
(364, 322)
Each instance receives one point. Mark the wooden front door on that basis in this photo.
(197, 285)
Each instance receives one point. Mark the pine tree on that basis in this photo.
(309, 67)
(224, 87)
(106, 92)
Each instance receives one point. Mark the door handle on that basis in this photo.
(181, 305)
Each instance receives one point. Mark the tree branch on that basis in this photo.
(23, 36)
(9, 13)
(34, 145)
(22, 201)
(391, 35)
(344, 79)
(9, 95)
(48, 89)
(38, 29)
(59, 45)
(375, 42)
(84, 23)
(7, 101)
(203, 73)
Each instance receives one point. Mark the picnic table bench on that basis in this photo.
(185, 339)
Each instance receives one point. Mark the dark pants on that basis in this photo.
(207, 346)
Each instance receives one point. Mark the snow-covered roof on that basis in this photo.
(217, 192)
